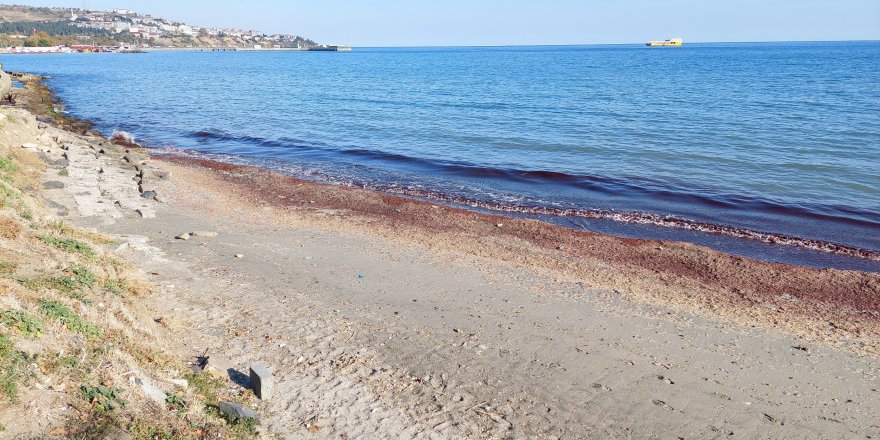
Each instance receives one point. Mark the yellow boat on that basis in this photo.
(672, 42)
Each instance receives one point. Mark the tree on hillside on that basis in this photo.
(41, 39)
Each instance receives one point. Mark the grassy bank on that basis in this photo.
(76, 339)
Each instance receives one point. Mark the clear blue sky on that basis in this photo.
(499, 22)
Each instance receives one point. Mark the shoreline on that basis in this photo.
(387, 317)
(694, 276)
(698, 277)
(748, 243)
(771, 229)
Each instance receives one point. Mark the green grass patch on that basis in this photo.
(115, 286)
(106, 399)
(82, 276)
(73, 322)
(25, 323)
(205, 386)
(71, 245)
(54, 361)
(74, 280)
(13, 367)
(7, 165)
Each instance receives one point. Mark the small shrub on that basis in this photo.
(83, 276)
(104, 398)
(73, 322)
(26, 324)
(71, 245)
(176, 403)
(64, 173)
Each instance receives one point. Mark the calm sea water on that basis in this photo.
(739, 139)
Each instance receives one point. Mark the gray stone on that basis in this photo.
(153, 393)
(53, 185)
(149, 195)
(262, 381)
(235, 411)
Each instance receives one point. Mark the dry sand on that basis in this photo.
(374, 334)
(389, 318)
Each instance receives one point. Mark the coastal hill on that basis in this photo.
(33, 26)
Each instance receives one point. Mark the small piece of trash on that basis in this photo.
(361, 276)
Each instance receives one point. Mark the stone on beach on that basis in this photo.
(146, 212)
(235, 411)
(204, 234)
(184, 236)
(149, 195)
(262, 381)
(53, 185)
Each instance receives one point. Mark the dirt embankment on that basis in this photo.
(80, 355)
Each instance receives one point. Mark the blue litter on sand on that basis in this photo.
(360, 277)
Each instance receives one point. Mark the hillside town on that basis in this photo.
(50, 30)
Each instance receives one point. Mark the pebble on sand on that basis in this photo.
(184, 236)
(239, 255)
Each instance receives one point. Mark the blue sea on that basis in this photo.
(767, 150)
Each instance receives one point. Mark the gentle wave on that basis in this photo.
(600, 184)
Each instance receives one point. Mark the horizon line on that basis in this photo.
(606, 44)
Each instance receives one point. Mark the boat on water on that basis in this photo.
(672, 42)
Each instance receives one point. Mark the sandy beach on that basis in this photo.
(389, 317)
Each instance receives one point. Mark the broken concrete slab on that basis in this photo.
(235, 411)
(262, 381)
(151, 391)
(53, 185)
(218, 367)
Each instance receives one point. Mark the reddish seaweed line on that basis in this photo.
(646, 218)
(632, 217)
